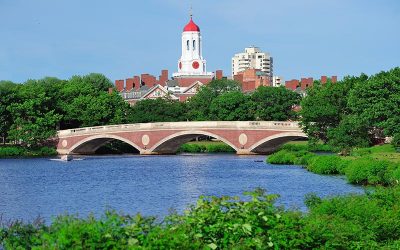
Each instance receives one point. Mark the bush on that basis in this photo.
(11, 152)
(282, 157)
(370, 221)
(324, 164)
(17, 152)
(369, 171)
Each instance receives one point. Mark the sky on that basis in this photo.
(122, 38)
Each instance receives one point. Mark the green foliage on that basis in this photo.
(354, 112)
(396, 140)
(378, 100)
(232, 106)
(351, 132)
(370, 171)
(370, 221)
(198, 106)
(275, 104)
(285, 156)
(325, 164)
(324, 106)
(8, 96)
(157, 110)
(16, 152)
(205, 147)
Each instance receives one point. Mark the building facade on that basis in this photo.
(252, 58)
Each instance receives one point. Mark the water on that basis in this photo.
(148, 184)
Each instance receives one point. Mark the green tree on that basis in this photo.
(198, 106)
(101, 109)
(351, 132)
(275, 104)
(8, 96)
(377, 101)
(232, 106)
(157, 110)
(325, 105)
(35, 120)
(84, 101)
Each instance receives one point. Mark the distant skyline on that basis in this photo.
(123, 38)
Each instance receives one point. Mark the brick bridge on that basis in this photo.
(246, 137)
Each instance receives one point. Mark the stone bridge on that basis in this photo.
(246, 137)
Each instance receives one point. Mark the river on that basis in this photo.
(150, 185)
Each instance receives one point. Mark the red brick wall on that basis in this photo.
(119, 84)
(219, 74)
(163, 77)
(292, 84)
(129, 84)
(324, 79)
(136, 82)
(148, 80)
(334, 79)
(306, 82)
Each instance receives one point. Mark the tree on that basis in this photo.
(157, 110)
(96, 110)
(325, 105)
(351, 132)
(199, 105)
(232, 106)
(34, 121)
(85, 101)
(377, 101)
(8, 96)
(275, 104)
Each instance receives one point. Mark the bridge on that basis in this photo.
(246, 137)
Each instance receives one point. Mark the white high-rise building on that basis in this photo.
(191, 62)
(252, 58)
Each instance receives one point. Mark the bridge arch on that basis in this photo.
(271, 143)
(170, 144)
(90, 144)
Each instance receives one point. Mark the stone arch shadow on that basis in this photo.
(90, 144)
(272, 143)
(171, 144)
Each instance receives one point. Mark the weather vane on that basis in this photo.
(191, 11)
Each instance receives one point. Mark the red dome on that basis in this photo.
(191, 27)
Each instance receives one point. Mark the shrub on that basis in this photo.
(282, 157)
(12, 151)
(368, 171)
(324, 164)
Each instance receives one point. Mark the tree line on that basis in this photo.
(32, 112)
(357, 111)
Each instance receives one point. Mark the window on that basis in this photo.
(194, 45)
(187, 44)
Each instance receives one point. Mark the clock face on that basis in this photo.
(195, 65)
(180, 65)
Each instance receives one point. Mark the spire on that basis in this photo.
(191, 12)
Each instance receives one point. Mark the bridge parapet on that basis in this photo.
(243, 125)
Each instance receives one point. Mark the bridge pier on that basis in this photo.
(244, 152)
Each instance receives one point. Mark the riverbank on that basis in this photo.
(378, 165)
(22, 152)
(348, 222)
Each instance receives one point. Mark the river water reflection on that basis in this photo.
(148, 184)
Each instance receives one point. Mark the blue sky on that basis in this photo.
(122, 38)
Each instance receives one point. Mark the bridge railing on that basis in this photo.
(245, 125)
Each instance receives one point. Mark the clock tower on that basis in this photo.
(191, 62)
